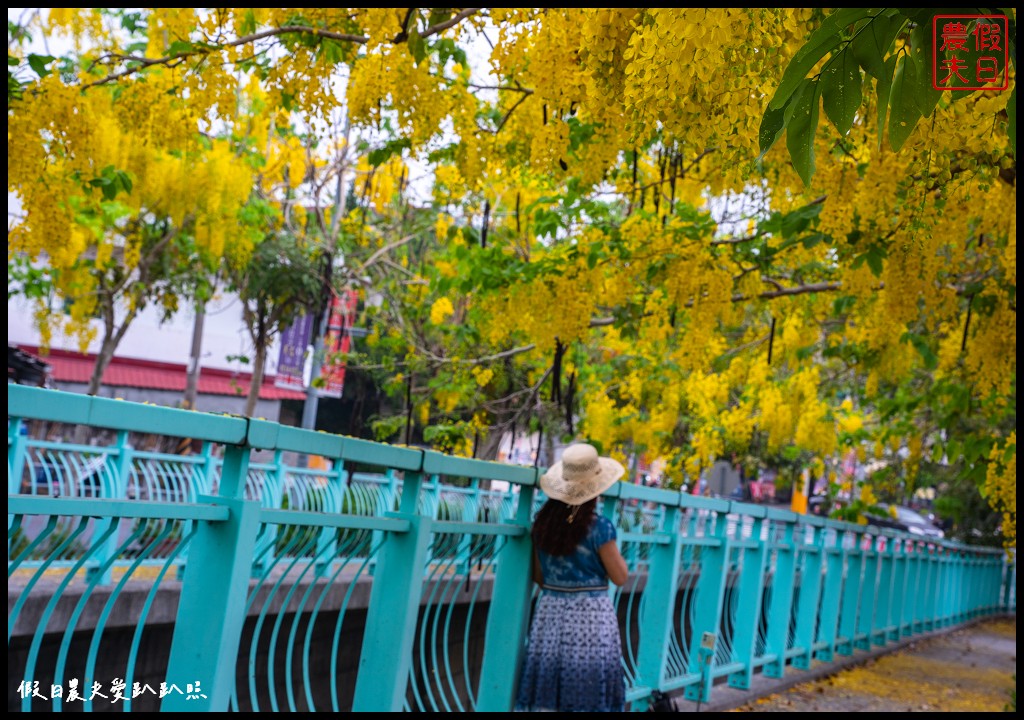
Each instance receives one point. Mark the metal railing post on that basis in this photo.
(470, 513)
(750, 591)
(17, 444)
(386, 657)
(211, 612)
(869, 603)
(851, 592)
(327, 543)
(899, 589)
(884, 599)
(711, 591)
(831, 594)
(929, 607)
(264, 554)
(509, 615)
(659, 602)
(781, 604)
(116, 488)
(912, 608)
(809, 597)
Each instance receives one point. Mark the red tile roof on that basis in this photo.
(71, 367)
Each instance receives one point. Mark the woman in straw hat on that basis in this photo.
(574, 651)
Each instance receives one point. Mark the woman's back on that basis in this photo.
(573, 657)
(582, 569)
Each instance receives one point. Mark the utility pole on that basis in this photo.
(310, 407)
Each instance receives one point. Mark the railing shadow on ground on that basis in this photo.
(398, 579)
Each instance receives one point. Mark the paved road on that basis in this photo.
(969, 669)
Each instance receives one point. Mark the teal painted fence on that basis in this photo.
(398, 579)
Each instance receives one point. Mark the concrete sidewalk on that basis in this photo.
(965, 669)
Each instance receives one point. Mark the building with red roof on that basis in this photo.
(163, 383)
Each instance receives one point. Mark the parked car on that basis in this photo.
(905, 519)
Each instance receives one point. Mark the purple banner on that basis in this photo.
(292, 360)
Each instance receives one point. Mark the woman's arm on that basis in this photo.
(538, 576)
(614, 563)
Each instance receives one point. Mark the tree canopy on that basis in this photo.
(615, 246)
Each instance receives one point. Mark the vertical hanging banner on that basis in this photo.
(337, 340)
(291, 362)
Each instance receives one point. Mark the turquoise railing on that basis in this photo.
(398, 579)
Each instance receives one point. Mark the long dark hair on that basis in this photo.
(554, 534)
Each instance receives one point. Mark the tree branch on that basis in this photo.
(381, 251)
(454, 20)
(509, 113)
(517, 88)
(148, 62)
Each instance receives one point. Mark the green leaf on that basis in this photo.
(922, 45)
(773, 122)
(953, 450)
(546, 223)
(873, 40)
(39, 62)
(1011, 126)
(417, 47)
(903, 108)
(248, 22)
(801, 131)
(883, 89)
(447, 152)
(840, 90)
(448, 50)
(931, 361)
(133, 22)
(180, 46)
(769, 132)
(795, 222)
(843, 305)
(579, 133)
(392, 147)
(332, 51)
(821, 41)
(125, 180)
(873, 256)
(811, 240)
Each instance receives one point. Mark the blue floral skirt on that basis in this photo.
(573, 656)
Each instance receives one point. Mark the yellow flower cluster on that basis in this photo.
(1001, 485)
(482, 375)
(441, 310)
(991, 358)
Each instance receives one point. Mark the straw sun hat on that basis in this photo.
(580, 475)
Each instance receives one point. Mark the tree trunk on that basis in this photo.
(112, 336)
(103, 358)
(257, 375)
(489, 448)
(194, 364)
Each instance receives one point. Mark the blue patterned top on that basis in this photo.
(583, 568)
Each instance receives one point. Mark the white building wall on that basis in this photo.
(224, 336)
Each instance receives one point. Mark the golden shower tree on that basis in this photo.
(617, 238)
